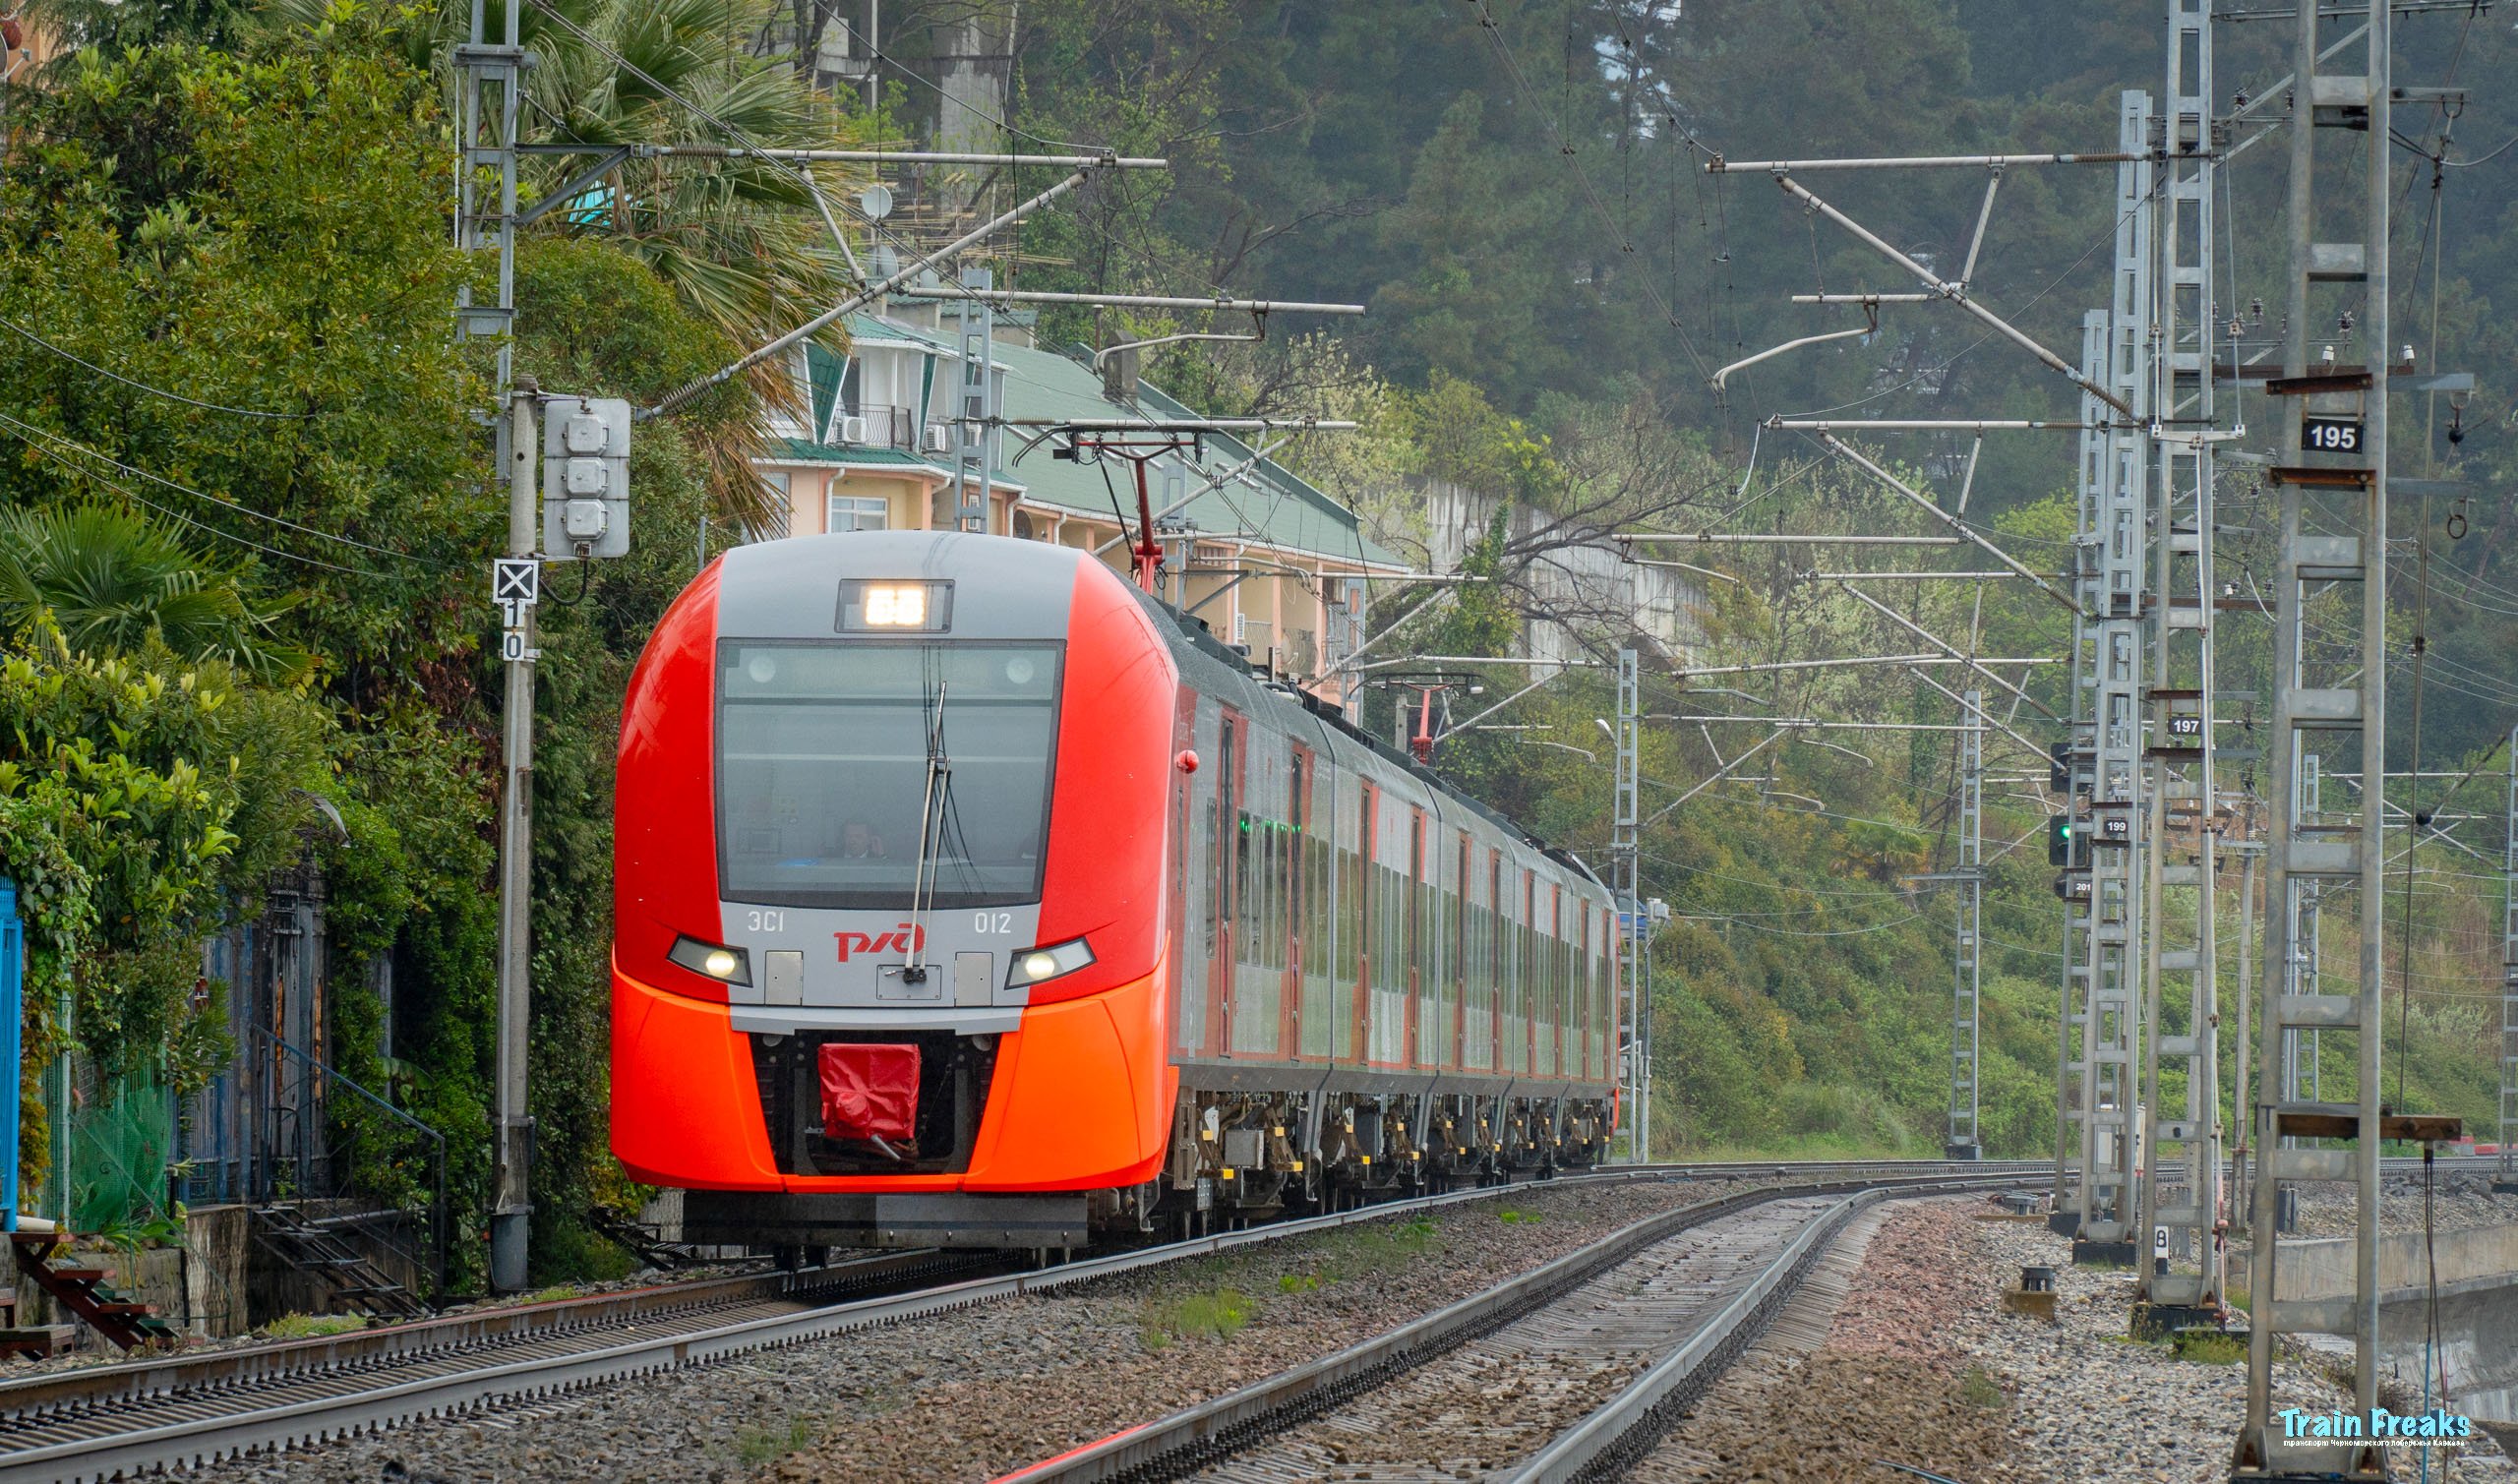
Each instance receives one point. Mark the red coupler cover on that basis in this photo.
(868, 1090)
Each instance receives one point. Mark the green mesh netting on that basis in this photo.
(122, 1133)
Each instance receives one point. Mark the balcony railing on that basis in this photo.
(876, 427)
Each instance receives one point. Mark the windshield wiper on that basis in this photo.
(922, 889)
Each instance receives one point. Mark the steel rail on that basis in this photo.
(38, 1397)
(1620, 1432)
(202, 1426)
(345, 1405)
(1197, 1436)
(1618, 1435)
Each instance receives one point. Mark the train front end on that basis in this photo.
(888, 926)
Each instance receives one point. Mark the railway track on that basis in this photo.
(1561, 1374)
(1569, 1372)
(136, 1417)
(101, 1422)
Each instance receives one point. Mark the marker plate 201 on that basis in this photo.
(2330, 435)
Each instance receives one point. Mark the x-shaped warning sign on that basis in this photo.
(515, 580)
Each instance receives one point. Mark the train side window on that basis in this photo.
(1256, 879)
(1366, 883)
(1297, 917)
(1350, 914)
(1403, 914)
(1242, 877)
(1413, 894)
(1495, 923)
(1227, 882)
(1281, 892)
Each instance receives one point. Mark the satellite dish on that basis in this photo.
(876, 203)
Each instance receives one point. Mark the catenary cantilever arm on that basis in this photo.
(1957, 527)
(1956, 293)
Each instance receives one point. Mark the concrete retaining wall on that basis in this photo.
(221, 1282)
(2477, 1334)
(2472, 1256)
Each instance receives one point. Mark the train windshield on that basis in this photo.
(825, 770)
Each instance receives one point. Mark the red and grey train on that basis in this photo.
(966, 895)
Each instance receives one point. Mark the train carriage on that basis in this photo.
(968, 896)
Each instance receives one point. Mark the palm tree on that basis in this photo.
(113, 581)
(741, 242)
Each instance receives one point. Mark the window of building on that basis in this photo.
(773, 522)
(858, 513)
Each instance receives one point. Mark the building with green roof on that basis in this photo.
(1268, 561)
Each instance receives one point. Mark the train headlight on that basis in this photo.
(728, 965)
(896, 605)
(867, 603)
(1044, 964)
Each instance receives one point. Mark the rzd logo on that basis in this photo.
(903, 938)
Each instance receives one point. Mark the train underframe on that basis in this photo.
(1239, 1157)
(1235, 1158)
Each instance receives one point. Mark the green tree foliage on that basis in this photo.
(113, 581)
(597, 320)
(261, 229)
(131, 785)
(263, 232)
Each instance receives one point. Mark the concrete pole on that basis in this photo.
(510, 1204)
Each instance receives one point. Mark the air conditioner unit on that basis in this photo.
(852, 429)
(939, 439)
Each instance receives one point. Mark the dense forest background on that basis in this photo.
(1518, 191)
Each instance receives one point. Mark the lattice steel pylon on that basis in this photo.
(492, 91)
(2181, 1283)
(1964, 1141)
(2115, 519)
(2338, 688)
(2508, 1172)
(2071, 1083)
(973, 404)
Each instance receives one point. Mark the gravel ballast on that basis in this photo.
(2458, 1201)
(974, 1392)
(1922, 1366)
